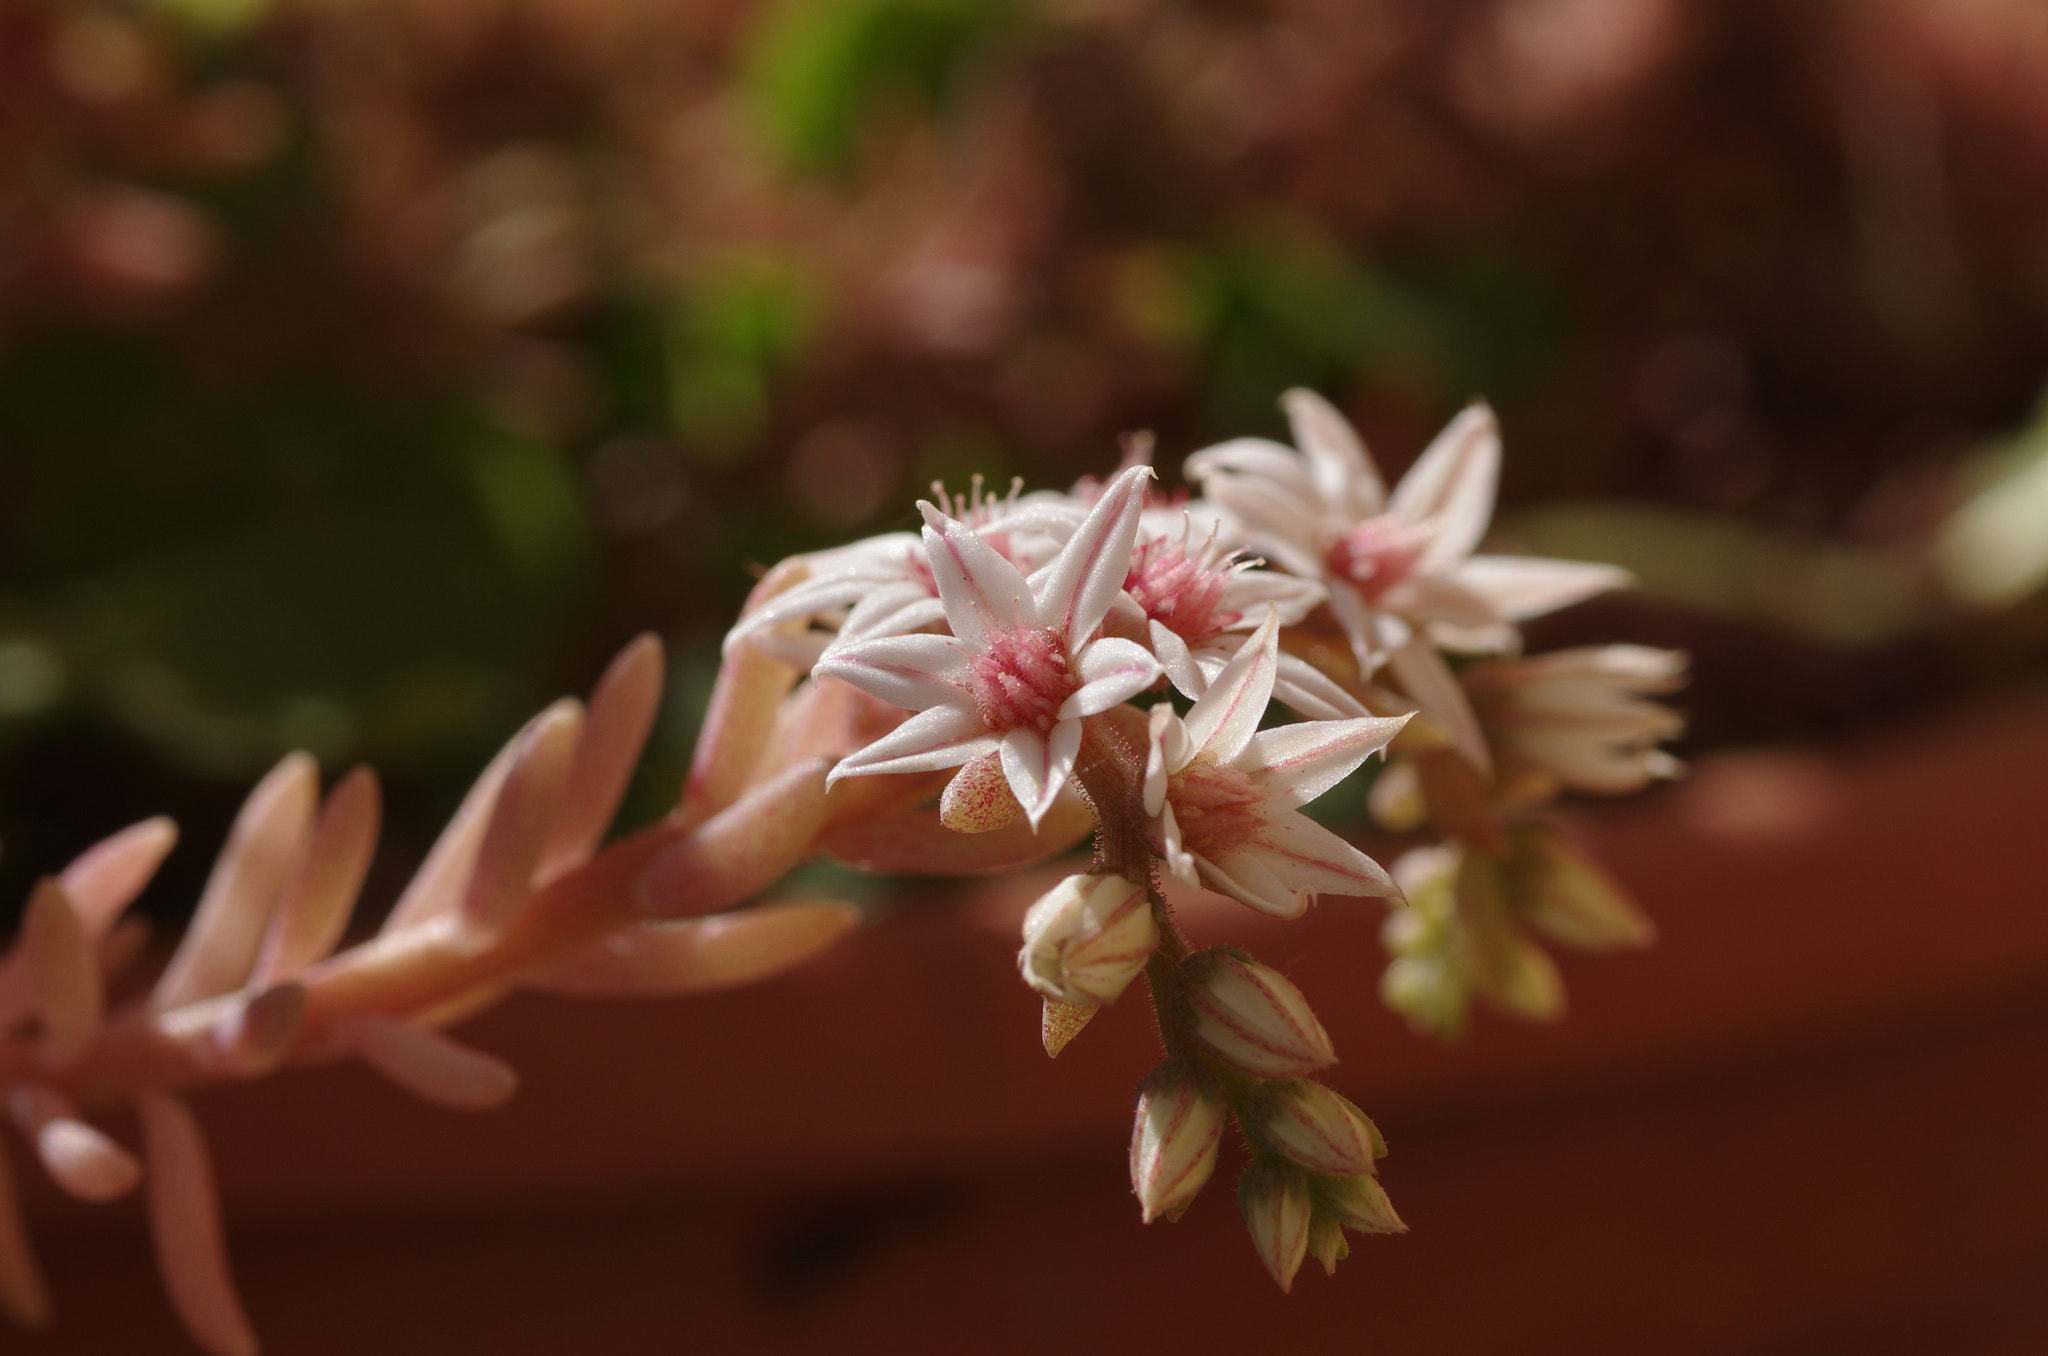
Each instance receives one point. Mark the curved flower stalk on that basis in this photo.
(517, 893)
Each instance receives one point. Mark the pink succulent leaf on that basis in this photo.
(1312, 694)
(106, 877)
(1303, 761)
(1223, 721)
(428, 1064)
(1177, 661)
(437, 886)
(1038, 765)
(1519, 587)
(262, 852)
(1429, 682)
(621, 715)
(942, 737)
(1310, 857)
(981, 590)
(701, 955)
(80, 1159)
(23, 1295)
(502, 877)
(184, 1217)
(1077, 588)
(914, 672)
(1451, 488)
(1112, 671)
(63, 973)
(315, 909)
(1344, 473)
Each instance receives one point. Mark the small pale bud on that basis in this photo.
(1253, 1017)
(1087, 938)
(1173, 1143)
(1318, 1130)
(1565, 894)
(1396, 801)
(1274, 1199)
(979, 799)
(1360, 1203)
(1326, 1242)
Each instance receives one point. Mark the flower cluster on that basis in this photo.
(1027, 669)
(1043, 664)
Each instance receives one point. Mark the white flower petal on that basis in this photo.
(1343, 470)
(892, 610)
(1167, 751)
(1529, 586)
(1178, 859)
(914, 672)
(1451, 488)
(807, 600)
(184, 1218)
(1178, 662)
(980, 589)
(1251, 882)
(1039, 765)
(1112, 671)
(1076, 590)
(943, 737)
(1303, 761)
(1307, 856)
(1312, 694)
(1228, 714)
(1251, 592)
(1429, 683)
(1360, 626)
(1279, 524)
(1253, 459)
(1424, 599)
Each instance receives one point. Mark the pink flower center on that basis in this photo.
(1216, 806)
(1377, 554)
(1022, 681)
(1179, 591)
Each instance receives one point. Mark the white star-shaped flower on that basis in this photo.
(1023, 667)
(1224, 794)
(1399, 568)
(883, 586)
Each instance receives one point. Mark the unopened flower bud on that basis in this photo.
(979, 799)
(1318, 1130)
(1326, 1242)
(1275, 1201)
(1565, 894)
(1087, 938)
(1173, 1143)
(1359, 1203)
(1252, 1017)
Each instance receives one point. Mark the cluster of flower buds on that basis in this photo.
(1042, 664)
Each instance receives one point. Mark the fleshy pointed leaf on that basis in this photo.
(106, 877)
(615, 728)
(23, 1295)
(63, 973)
(502, 878)
(184, 1218)
(77, 1156)
(700, 956)
(428, 1064)
(316, 905)
(262, 852)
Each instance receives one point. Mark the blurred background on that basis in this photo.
(371, 369)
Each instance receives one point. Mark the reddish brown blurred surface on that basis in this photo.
(1808, 1122)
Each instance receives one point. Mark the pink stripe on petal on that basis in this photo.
(943, 737)
(1076, 590)
(1303, 761)
(1112, 671)
(979, 588)
(184, 1218)
(1039, 765)
(428, 1064)
(1451, 487)
(1228, 715)
(1307, 856)
(913, 672)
